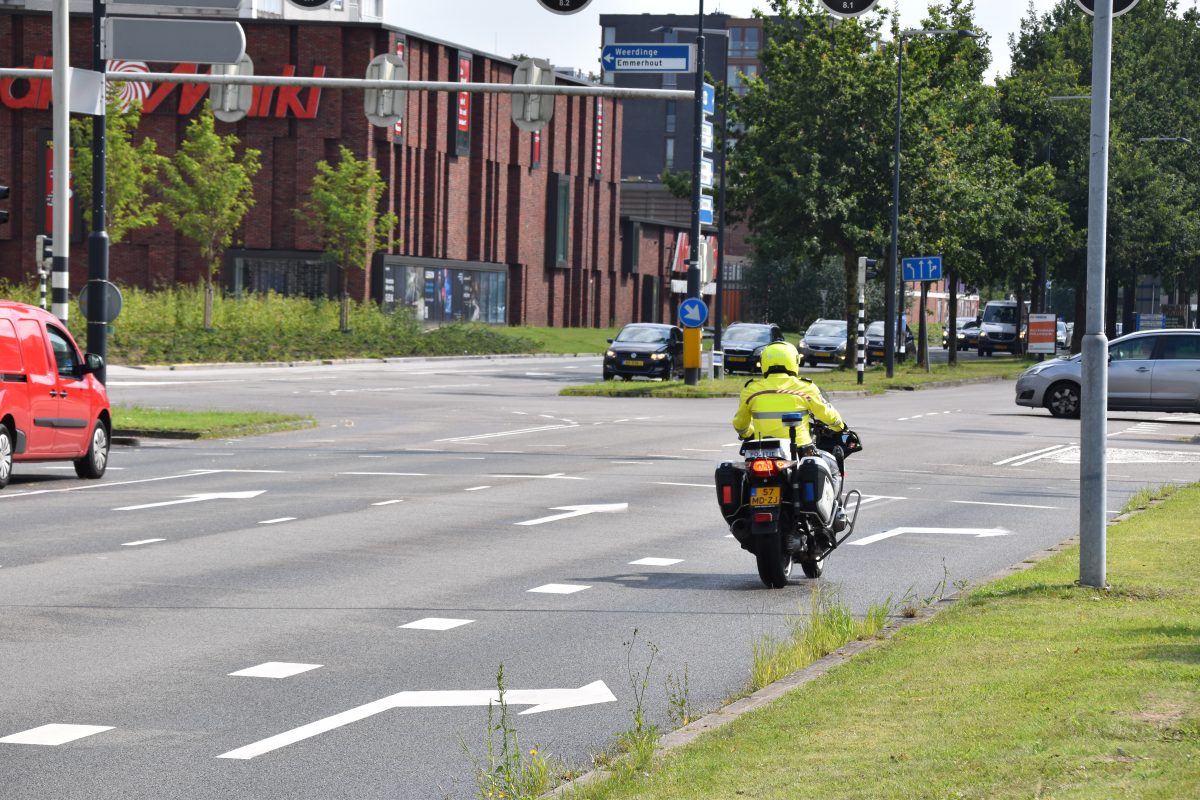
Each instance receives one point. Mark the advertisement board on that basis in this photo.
(1041, 333)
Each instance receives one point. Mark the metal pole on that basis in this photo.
(1093, 469)
(61, 93)
(691, 375)
(719, 305)
(97, 298)
(889, 328)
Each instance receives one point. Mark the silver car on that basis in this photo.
(1147, 371)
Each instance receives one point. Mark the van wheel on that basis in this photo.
(6, 455)
(95, 462)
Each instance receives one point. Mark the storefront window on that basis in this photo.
(289, 274)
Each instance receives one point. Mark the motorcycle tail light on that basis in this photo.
(763, 516)
(727, 495)
(767, 466)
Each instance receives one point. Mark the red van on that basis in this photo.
(52, 407)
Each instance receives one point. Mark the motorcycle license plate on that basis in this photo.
(635, 363)
(764, 496)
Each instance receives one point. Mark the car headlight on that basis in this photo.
(657, 356)
(804, 343)
(841, 347)
(610, 354)
(983, 335)
(962, 335)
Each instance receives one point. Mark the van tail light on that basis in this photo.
(766, 467)
(763, 516)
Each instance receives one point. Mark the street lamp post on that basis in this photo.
(892, 329)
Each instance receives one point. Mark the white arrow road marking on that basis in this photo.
(141, 541)
(558, 476)
(1004, 505)
(575, 511)
(275, 669)
(874, 498)
(197, 498)
(540, 699)
(1035, 453)
(505, 433)
(56, 733)
(978, 532)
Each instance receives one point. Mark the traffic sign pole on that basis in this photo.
(691, 346)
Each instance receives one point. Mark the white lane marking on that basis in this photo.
(552, 476)
(630, 462)
(671, 483)
(540, 700)
(436, 624)
(547, 416)
(522, 413)
(55, 733)
(65, 467)
(656, 562)
(275, 669)
(196, 498)
(1050, 454)
(871, 498)
(242, 471)
(277, 519)
(1002, 505)
(976, 532)
(471, 458)
(140, 542)
(194, 473)
(1025, 455)
(547, 445)
(540, 374)
(505, 433)
(391, 474)
(559, 588)
(699, 450)
(372, 456)
(386, 502)
(575, 511)
(476, 488)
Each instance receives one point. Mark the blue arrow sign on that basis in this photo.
(648, 57)
(710, 99)
(922, 268)
(693, 313)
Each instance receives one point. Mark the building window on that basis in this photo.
(670, 116)
(371, 8)
(744, 42)
(669, 155)
(562, 222)
(737, 75)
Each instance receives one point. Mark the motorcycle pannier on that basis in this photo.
(817, 493)
(731, 487)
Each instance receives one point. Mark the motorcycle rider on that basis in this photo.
(780, 391)
(764, 402)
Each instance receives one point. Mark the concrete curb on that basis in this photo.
(768, 694)
(325, 362)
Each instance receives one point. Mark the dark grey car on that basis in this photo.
(1147, 371)
(742, 343)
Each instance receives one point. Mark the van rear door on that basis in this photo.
(41, 389)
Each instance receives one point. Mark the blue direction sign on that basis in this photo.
(693, 313)
(922, 268)
(706, 209)
(648, 57)
(710, 99)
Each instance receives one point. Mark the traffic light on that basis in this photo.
(3, 211)
(866, 269)
(44, 252)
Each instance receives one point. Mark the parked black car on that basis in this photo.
(645, 349)
(875, 343)
(744, 341)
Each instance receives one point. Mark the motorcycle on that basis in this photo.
(787, 507)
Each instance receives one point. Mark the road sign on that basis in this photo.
(706, 173)
(710, 99)
(1042, 331)
(706, 136)
(1119, 6)
(385, 107)
(693, 312)
(922, 268)
(230, 102)
(849, 8)
(175, 41)
(531, 112)
(706, 209)
(564, 6)
(113, 302)
(648, 57)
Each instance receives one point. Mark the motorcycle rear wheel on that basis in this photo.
(774, 561)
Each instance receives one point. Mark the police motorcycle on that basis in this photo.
(787, 507)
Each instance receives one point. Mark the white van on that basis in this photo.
(1001, 330)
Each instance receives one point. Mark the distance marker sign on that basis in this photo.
(848, 8)
(564, 6)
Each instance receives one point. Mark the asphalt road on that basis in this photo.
(446, 518)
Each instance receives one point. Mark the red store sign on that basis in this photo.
(269, 101)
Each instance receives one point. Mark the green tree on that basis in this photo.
(132, 172)
(344, 205)
(208, 190)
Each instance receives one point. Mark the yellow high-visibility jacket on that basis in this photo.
(765, 400)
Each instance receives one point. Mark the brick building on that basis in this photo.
(496, 225)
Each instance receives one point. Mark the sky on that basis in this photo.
(508, 27)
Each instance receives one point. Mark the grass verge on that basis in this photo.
(139, 421)
(875, 381)
(1030, 687)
